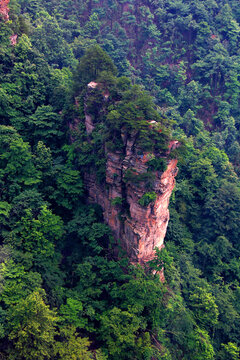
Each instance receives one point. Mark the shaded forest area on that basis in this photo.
(63, 294)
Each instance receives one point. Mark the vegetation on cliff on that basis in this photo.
(63, 295)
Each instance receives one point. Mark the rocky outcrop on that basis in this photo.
(13, 39)
(4, 9)
(139, 229)
(144, 227)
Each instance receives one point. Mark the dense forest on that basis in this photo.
(64, 293)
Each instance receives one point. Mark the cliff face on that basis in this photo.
(143, 228)
(138, 228)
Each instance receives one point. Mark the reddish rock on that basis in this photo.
(4, 9)
(161, 275)
(92, 85)
(174, 144)
(13, 39)
(140, 229)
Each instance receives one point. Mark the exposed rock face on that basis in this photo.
(138, 228)
(13, 39)
(4, 9)
(145, 227)
(89, 124)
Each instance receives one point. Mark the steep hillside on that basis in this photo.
(95, 97)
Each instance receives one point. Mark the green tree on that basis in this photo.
(70, 346)
(118, 329)
(16, 283)
(72, 313)
(190, 124)
(49, 40)
(47, 126)
(223, 210)
(204, 308)
(230, 351)
(34, 241)
(203, 176)
(69, 186)
(200, 346)
(32, 328)
(17, 169)
(38, 235)
(92, 64)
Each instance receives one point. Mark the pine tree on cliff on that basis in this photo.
(92, 64)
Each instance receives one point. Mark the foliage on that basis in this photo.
(147, 198)
(157, 164)
(118, 329)
(31, 324)
(55, 248)
(71, 346)
(94, 61)
(117, 201)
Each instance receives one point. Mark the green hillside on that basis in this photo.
(64, 294)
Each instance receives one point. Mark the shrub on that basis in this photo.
(117, 201)
(147, 198)
(158, 164)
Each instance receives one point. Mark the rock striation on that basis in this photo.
(139, 229)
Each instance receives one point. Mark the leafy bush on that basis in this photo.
(158, 164)
(147, 198)
(117, 201)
